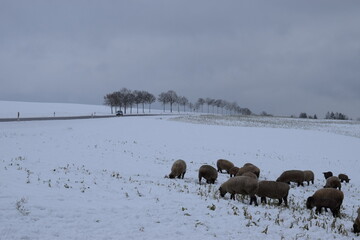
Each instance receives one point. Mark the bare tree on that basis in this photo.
(209, 103)
(168, 97)
(149, 99)
(110, 100)
(163, 99)
(201, 103)
(138, 98)
(126, 98)
(182, 101)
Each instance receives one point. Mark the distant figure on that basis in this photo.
(18, 116)
(54, 114)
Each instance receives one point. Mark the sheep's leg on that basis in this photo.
(285, 200)
(280, 201)
(318, 210)
(253, 199)
(356, 228)
(263, 200)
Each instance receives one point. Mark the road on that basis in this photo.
(70, 117)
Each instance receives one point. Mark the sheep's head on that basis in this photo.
(171, 175)
(310, 203)
(222, 192)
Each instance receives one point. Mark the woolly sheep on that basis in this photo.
(333, 182)
(356, 225)
(178, 169)
(233, 171)
(343, 177)
(327, 174)
(273, 190)
(309, 176)
(223, 164)
(209, 173)
(292, 176)
(326, 198)
(249, 174)
(248, 167)
(240, 185)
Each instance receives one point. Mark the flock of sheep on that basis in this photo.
(244, 180)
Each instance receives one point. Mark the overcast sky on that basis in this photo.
(282, 57)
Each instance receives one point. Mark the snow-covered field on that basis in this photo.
(105, 178)
(10, 109)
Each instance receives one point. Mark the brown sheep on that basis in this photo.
(326, 198)
(343, 177)
(292, 176)
(356, 225)
(223, 164)
(274, 190)
(178, 169)
(309, 176)
(333, 182)
(249, 174)
(240, 185)
(209, 173)
(248, 167)
(233, 171)
(327, 174)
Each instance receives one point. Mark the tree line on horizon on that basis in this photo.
(126, 99)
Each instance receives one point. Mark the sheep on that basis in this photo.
(233, 171)
(327, 174)
(249, 174)
(240, 185)
(309, 176)
(356, 225)
(333, 182)
(274, 190)
(209, 173)
(178, 169)
(292, 176)
(344, 177)
(326, 198)
(223, 164)
(248, 167)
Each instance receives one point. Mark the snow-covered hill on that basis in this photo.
(105, 178)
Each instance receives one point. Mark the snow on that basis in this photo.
(106, 178)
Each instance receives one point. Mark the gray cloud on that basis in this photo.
(283, 57)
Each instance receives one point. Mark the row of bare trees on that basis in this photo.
(126, 98)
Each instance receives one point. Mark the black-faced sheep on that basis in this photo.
(356, 225)
(248, 167)
(344, 177)
(178, 169)
(223, 164)
(309, 176)
(327, 174)
(233, 171)
(326, 198)
(292, 176)
(209, 173)
(273, 190)
(240, 185)
(333, 182)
